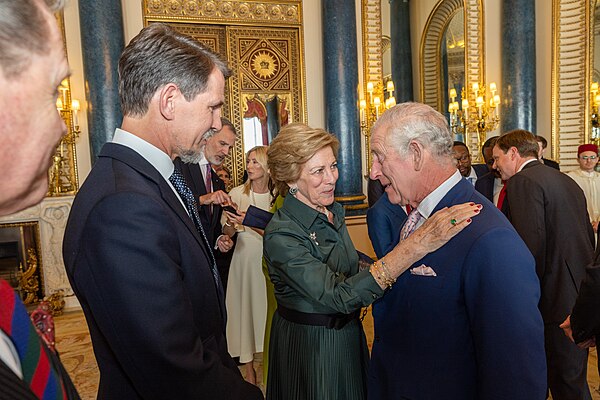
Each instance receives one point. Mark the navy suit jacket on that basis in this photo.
(141, 272)
(384, 221)
(472, 332)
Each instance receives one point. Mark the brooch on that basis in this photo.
(313, 236)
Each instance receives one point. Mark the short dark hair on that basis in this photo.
(225, 122)
(24, 31)
(159, 55)
(490, 142)
(459, 143)
(542, 140)
(523, 140)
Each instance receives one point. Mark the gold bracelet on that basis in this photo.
(391, 280)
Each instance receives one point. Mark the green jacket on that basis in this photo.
(313, 264)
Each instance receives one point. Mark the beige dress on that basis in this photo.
(246, 299)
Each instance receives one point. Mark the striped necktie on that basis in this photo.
(178, 182)
(38, 373)
(411, 223)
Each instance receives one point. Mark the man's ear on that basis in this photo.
(415, 150)
(168, 96)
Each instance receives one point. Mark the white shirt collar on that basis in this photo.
(155, 156)
(527, 162)
(432, 200)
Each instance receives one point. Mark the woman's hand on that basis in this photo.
(433, 234)
(443, 226)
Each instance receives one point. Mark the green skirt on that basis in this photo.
(315, 363)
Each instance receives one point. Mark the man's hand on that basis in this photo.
(224, 243)
(219, 198)
(566, 327)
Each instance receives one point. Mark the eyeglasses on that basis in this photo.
(588, 157)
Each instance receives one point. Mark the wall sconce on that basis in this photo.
(478, 117)
(371, 109)
(63, 173)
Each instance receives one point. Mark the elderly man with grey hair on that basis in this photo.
(463, 322)
(135, 251)
(32, 65)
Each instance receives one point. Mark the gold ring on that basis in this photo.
(453, 221)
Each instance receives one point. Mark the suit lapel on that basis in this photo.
(141, 165)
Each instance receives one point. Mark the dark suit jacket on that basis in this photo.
(480, 169)
(142, 274)
(193, 176)
(548, 210)
(485, 185)
(551, 163)
(384, 221)
(473, 331)
(585, 318)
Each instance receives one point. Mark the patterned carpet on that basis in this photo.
(73, 343)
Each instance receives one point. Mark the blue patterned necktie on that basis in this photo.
(411, 223)
(178, 182)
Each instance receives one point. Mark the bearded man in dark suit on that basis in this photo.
(548, 210)
(135, 251)
(209, 189)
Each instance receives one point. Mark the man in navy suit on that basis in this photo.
(463, 323)
(134, 249)
(548, 210)
(384, 221)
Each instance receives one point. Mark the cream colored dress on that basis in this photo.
(246, 299)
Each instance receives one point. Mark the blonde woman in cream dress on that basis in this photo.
(246, 299)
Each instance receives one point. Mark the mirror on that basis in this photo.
(264, 115)
(458, 65)
(452, 68)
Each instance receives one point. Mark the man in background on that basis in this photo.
(490, 184)
(135, 251)
(210, 191)
(32, 66)
(463, 323)
(589, 180)
(547, 208)
(542, 144)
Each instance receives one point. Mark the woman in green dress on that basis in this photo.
(317, 345)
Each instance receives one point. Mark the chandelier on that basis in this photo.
(378, 100)
(476, 116)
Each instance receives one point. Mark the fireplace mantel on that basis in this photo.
(51, 215)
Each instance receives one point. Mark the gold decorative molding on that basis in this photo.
(372, 45)
(263, 44)
(227, 11)
(430, 62)
(571, 75)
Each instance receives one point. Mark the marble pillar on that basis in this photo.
(102, 41)
(518, 66)
(341, 97)
(401, 52)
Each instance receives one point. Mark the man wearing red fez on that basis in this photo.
(589, 180)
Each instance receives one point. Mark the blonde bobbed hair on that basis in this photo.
(293, 146)
(260, 153)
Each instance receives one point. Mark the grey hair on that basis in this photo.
(24, 30)
(160, 55)
(419, 122)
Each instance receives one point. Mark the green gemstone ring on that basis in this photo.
(453, 221)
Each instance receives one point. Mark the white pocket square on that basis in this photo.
(423, 270)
